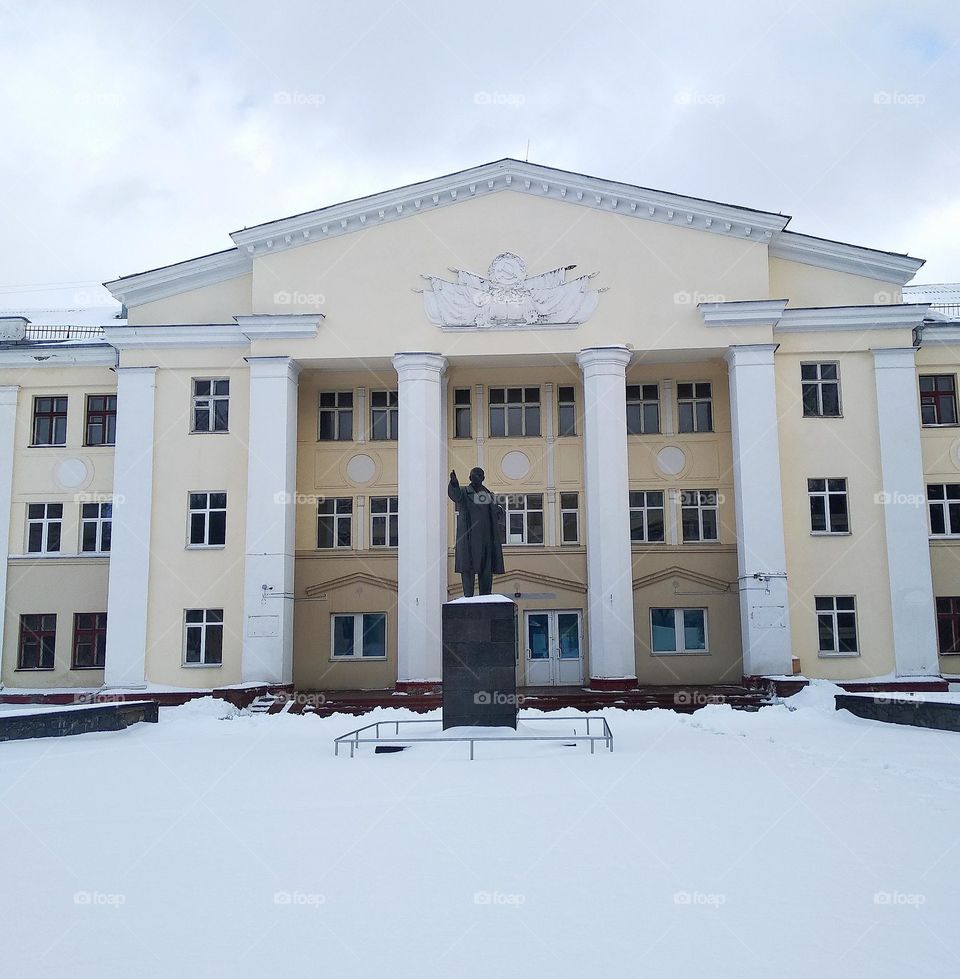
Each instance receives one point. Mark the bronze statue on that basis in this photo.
(479, 551)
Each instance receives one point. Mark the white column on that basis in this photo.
(422, 487)
(271, 518)
(128, 590)
(904, 513)
(609, 564)
(8, 434)
(761, 554)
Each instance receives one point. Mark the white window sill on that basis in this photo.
(204, 547)
(201, 666)
(941, 425)
(831, 533)
(822, 655)
(358, 659)
(203, 431)
(682, 652)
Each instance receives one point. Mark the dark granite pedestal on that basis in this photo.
(480, 662)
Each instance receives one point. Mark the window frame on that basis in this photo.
(207, 510)
(833, 612)
(206, 624)
(99, 640)
(567, 402)
(501, 409)
(566, 511)
(701, 508)
(213, 398)
(461, 407)
(392, 510)
(944, 504)
(104, 526)
(40, 634)
(337, 411)
(508, 501)
(644, 511)
(825, 495)
(337, 517)
(819, 382)
(935, 397)
(640, 403)
(106, 414)
(53, 416)
(679, 634)
(390, 411)
(695, 400)
(950, 614)
(359, 634)
(45, 522)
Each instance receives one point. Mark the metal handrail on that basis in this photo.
(354, 739)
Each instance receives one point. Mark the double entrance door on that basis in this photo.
(554, 647)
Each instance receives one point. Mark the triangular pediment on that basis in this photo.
(687, 574)
(507, 583)
(345, 581)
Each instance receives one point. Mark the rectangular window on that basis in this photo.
(938, 399)
(384, 521)
(203, 637)
(96, 524)
(569, 518)
(643, 409)
(837, 625)
(566, 410)
(38, 640)
(646, 516)
(211, 404)
(360, 636)
(820, 386)
(514, 412)
(44, 522)
(828, 506)
(698, 515)
(335, 522)
(50, 421)
(384, 415)
(695, 406)
(208, 520)
(678, 630)
(943, 502)
(89, 640)
(336, 416)
(101, 427)
(524, 518)
(462, 427)
(948, 625)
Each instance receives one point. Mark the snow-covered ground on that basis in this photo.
(790, 843)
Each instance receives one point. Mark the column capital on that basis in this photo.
(407, 363)
(9, 394)
(607, 360)
(266, 367)
(750, 355)
(886, 358)
(129, 371)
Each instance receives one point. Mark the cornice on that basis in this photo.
(841, 257)
(759, 312)
(282, 326)
(902, 316)
(58, 355)
(520, 177)
(172, 280)
(178, 335)
(937, 334)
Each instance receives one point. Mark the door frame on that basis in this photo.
(553, 661)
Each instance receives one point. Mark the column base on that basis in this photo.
(619, 683)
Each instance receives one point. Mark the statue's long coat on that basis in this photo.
(478, 530)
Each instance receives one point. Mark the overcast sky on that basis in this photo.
(135, 134)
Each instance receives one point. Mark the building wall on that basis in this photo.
(809, 285)
(217, 303)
